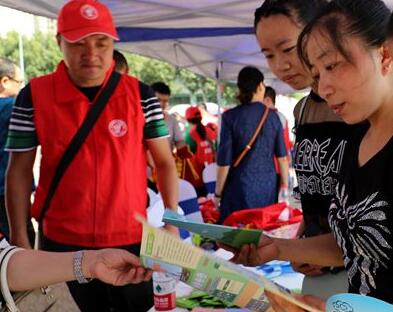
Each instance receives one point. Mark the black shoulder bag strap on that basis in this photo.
(80, 136)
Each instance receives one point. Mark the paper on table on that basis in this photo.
(162, 251)
(228, 235)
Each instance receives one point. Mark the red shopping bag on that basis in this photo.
(210, 213)
(265, 218)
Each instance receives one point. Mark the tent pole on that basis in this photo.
(219, 95)
(21, 57)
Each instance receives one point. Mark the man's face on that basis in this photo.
(164, 100)
(88, 60)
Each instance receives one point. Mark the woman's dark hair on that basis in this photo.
(301, 12)
(390, 27)
(364, 19)
(161, 87)
(248, 81)
(270, 93)
(200, 128)
(120, 61)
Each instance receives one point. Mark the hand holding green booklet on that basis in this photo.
(228, 235)
(227, 281)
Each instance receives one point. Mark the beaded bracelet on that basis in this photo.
(77, 265)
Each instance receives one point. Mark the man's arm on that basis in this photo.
(166, 173)
(18, 191)
(156, 138)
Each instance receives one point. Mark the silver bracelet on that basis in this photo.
(77, 265)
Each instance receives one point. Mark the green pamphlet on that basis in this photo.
(231, 283)
(228, 235)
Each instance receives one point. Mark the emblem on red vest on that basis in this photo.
(117, 128)
(89, 12)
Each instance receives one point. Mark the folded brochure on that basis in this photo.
(231, 283)
(229, 235)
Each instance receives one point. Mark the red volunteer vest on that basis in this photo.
(105, 184)
(204, 153)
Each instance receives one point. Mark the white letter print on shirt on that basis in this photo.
(314, 157)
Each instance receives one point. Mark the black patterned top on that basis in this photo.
(321, 143)
(361, 219)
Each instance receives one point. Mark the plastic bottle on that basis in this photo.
(164, 289)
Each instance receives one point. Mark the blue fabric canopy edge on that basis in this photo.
(135, 34)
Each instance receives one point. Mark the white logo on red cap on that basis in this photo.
(117, 128)
(89, 12)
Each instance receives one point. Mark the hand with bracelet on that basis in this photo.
(113, 266)
(29, 269)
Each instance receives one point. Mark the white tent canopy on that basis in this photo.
(212, 38)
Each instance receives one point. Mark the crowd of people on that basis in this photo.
(99, 127)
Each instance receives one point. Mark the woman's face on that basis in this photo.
(277, 37)
(353, 89)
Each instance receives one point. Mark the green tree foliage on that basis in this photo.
(180, 81)
(41, 55)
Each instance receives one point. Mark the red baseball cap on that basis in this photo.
(193, 112)
(79, 19)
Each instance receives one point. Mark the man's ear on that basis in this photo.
(262, 88)
(58, 39)
(3, 82)
(386, 52)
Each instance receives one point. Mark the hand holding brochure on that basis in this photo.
(228, 235)
(162, 251)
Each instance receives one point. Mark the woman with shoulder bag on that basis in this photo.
(251, 135)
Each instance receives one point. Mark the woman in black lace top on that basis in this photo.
(350, 54)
